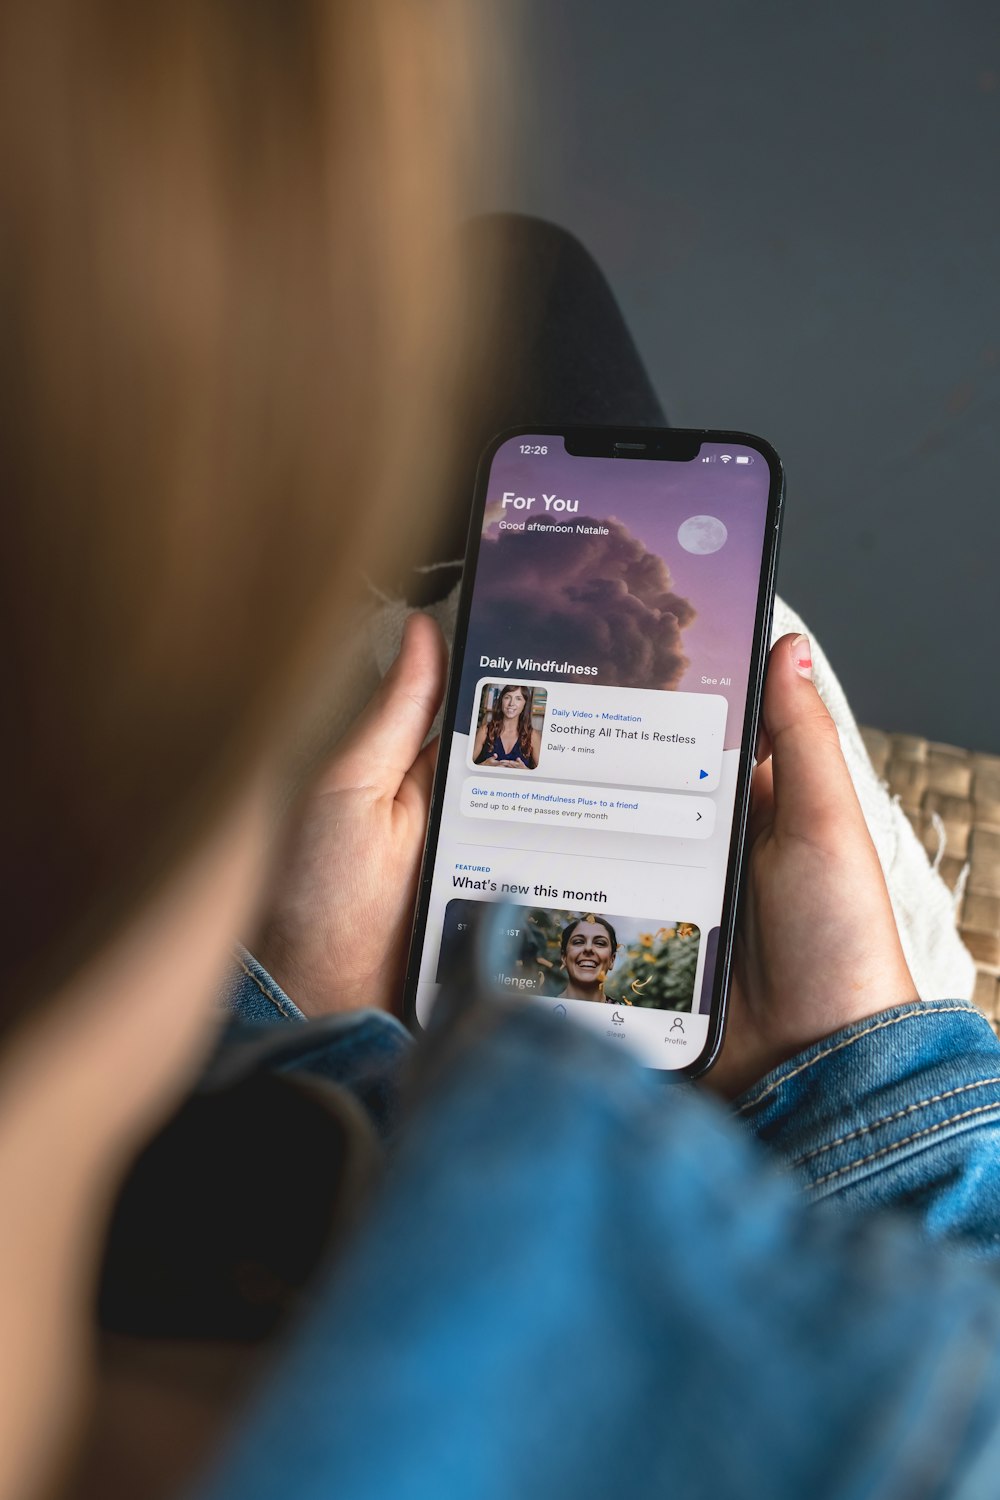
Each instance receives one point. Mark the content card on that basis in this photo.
(662, 814)
(624, 736)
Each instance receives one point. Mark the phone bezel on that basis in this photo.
(661, 440)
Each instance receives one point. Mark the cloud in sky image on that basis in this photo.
(648, 506)
(602, 600)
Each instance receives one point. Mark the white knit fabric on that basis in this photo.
(939, 962)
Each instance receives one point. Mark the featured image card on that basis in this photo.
(568, 953)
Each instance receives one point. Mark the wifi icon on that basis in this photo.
(725, 458)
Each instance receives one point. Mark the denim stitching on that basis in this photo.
(926, 1009)
(888, 1119)
(266, 993)
(967, 1114)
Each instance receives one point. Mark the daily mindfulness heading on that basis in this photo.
(530, 664)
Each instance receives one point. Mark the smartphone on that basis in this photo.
(590, 805)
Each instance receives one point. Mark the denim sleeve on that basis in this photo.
(250, 994)
(579, 1280)
(364, 1051)
(899, 1110)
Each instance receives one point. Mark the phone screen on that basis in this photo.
(595, 760)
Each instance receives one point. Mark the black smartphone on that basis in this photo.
(590, 805)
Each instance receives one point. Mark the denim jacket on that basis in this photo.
(577, 1279)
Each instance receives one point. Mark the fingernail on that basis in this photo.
(802, 656)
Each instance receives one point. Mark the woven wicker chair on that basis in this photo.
(953, 795)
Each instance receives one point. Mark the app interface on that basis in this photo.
(591, 777)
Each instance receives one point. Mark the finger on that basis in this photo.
(761, 799)
(763, 750)
(384, 743)
(813, 790)
(414, 794)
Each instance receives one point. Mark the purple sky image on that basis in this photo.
(652, 499)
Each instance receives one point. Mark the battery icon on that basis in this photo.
(743, 459)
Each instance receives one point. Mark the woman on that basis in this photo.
(588, 947)
(225, 244)
(222, 266)
(508, 738)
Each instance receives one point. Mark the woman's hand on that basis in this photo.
(335, 937)
(816, 945)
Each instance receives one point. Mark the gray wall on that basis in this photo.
(797, 206)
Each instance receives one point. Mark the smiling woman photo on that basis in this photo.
(507, 737)
(588, 947)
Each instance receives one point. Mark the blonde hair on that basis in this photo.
(224, 276)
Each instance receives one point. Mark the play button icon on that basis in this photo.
(702, 775)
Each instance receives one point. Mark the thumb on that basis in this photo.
(813, 790)
(383, 744)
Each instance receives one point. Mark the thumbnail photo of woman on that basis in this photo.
(509, 726)
(589, 947)
(627, 962)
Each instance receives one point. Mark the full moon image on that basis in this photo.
(702, 534)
